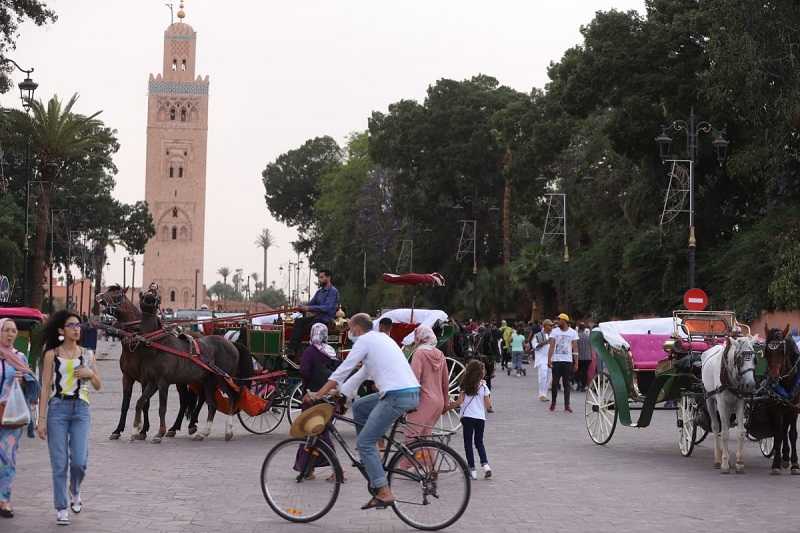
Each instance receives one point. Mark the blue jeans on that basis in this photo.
(516, 360)
(68, 441)
(374, 416)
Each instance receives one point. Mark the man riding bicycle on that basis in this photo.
(384, 363)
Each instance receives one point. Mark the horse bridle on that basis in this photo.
(113, 303)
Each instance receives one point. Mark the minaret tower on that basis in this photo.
(175, 181)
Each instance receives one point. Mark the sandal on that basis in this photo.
(6, 513)
(377, 503)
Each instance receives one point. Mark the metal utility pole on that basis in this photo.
(467, 243)
(196, 274)
(555, 222)
(684, 178)
(406, 256)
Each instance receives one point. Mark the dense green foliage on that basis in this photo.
(12, 14)
(478, 150)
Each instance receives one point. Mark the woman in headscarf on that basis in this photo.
(13, 366)
(430, 367)
(317, 363)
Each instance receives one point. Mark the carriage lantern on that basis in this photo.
(720, 144)
(664, 142)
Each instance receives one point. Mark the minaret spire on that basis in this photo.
(181, 12)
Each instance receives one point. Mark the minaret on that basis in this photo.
(175, 181)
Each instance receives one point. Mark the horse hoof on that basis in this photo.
(796, 470)
(228, 437)
(717, 465)
(192, 430)
(138, 436)
(113, 436)
(156, 440)
(170, 434)
(198, 437)
(785, 465)
(740, 468)
(775, 472)
(725, 471)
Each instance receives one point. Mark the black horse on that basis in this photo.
(160, 369)
(117, 305)
(783, 365)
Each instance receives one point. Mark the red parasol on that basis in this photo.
(434, 279)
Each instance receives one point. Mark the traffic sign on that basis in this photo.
(695, 300)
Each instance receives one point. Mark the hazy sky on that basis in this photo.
(283, 72)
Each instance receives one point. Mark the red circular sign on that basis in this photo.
(695, 300)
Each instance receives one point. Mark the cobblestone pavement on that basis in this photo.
(548, 476)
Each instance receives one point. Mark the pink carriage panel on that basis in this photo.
(646, 350)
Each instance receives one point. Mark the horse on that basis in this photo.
(728, 374)
(160, 368)
(120, 307)
(783, 375)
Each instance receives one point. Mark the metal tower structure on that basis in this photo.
(678, 190)
(467, 243)
(555, 221)
(405, 261)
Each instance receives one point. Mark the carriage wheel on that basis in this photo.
(767, 446)
(687, 429)
(295, 403)
(450, 421)
(702, 437)
(600, 409)
(263, 423)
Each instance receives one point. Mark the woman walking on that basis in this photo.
(13, 367)
(64, 409)
(430, 366)
(517, 348)
(474, 400)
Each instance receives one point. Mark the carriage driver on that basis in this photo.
(321, 308)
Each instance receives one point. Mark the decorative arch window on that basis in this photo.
(174, 233)
(174, 65)
(164, 233)
(186, 297)
(171, 296)
(184, 233)
(183, 115)
(172, 113)
(183, 65)
(171, 171)
(180, 172)
(175, 211)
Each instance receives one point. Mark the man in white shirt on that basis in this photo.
(384, 363)
(562, 358)
(541, 346)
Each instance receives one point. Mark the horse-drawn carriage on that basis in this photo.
(652, 364)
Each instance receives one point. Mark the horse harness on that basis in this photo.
(739, 358)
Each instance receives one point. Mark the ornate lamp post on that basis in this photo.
(693, 130)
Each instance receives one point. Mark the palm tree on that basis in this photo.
(57, 137)
(264, 241)
(254, 277)
(224, 272)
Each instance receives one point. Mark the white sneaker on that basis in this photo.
(76, 504)
(473, 474)
(62, 517)
(487, 471)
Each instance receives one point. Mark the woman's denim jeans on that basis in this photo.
(68, 440)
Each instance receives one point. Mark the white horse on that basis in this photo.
(728, 373)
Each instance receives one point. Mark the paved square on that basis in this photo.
(548, 476)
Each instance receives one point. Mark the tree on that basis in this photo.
(265, 241)
(224, 272)
(271, 297)
(291, 181)
(224, 292)
(59, 138)
(12, 14)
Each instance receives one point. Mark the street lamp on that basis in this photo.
(27, 87)
(693, 130)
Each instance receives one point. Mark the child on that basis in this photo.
(474, 400)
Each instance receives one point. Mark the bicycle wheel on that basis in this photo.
(431, 490)
(293, 497)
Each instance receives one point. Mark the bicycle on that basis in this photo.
(426, 476)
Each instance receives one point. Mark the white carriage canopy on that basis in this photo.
(614, 332)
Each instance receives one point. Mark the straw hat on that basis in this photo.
(312, 421)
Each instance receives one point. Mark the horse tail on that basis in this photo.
(244, 367)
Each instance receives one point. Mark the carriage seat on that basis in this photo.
(646, 350)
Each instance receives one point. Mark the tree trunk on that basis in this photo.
(99, 263)
(39, 251)
(264, 277)
(507, 209)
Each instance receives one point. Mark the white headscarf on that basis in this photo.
(10, 354)
(319, 340)
(424, 337)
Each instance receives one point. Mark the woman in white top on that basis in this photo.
(64, 405)
(475, 399)
(384, 363)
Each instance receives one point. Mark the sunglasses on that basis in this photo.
(74, 325)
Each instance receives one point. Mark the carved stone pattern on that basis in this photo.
(175, 87)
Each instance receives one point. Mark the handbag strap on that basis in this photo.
(3, 379)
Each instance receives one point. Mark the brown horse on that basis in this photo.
(120, 307)
(783, 368)
(160, 369)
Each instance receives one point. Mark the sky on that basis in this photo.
(281, 73)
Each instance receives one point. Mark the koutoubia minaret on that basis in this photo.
(175, 181)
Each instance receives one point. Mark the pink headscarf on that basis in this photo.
(424, 337)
